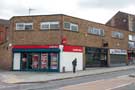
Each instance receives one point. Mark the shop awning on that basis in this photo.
(37, 50)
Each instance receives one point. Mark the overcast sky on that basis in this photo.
(94, 10)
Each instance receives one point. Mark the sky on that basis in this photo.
(93, 10)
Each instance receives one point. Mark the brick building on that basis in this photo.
(4, 25)
(126, 22)
(3, 30)
(52, 42)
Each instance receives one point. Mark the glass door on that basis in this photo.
(24, 61)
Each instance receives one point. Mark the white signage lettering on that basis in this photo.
(118, 51)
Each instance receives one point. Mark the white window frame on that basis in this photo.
(131, 37)
(131, 44)
(71, 25)
(49, 25)
(65, 27)
(18, 28)
(29, 24)
(96, 31)
(24, 26)
(118, 35)
(56, 22)
(44, 23)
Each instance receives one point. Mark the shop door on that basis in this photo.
(30, 61)
(24, 61)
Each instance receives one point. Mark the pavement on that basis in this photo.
(34, 77)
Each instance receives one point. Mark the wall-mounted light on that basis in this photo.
(118, 44)
(9, 44)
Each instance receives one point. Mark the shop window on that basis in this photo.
(49, 25)
(70, 26)
(96, 31)
(24, 26)
(54, 61)
(35, 61)
(118, 35)
(44, 61)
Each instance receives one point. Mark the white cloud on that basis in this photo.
(107, 4)
(93, 10)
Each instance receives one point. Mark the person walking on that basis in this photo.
(74, 63)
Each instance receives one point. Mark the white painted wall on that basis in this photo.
(66, 59)
(16, 61)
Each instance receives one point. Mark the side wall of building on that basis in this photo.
(5, 57)
(120, 20)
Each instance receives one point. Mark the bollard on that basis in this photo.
(63, 69)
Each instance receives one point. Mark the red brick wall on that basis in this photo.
(3, 33)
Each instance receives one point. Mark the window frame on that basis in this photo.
(49, 25)
(17, 27)
(131, 44)
(131, 37)
(70, 26)
(24, 26)
(117, 34)
(73, 25)
(96, 31)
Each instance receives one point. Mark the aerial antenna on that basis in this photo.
(30, 9)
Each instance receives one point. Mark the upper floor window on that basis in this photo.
(49, 25)
(70, 26)
(1, 33)
(119, 35)
(131, 37)
(96, 31)
(133, 26)
(131, 44)
(24, 26)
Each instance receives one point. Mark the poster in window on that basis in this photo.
(35, 61)
(44, 60)
(54, 60)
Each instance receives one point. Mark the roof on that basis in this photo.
(4, 22)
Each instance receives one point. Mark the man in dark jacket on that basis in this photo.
(74, 63)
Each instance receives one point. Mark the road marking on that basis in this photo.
(86, 83)
(119, 86)
(111, 84)
(4, 86)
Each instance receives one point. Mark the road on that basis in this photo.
(116, 80)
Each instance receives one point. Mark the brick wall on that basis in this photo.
(3, 33)
(82, 38)
(5, 57)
